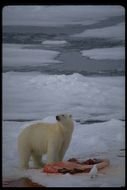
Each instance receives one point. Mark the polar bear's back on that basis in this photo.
(38, 130)
(38, 134)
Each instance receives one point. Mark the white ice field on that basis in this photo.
(35, 96)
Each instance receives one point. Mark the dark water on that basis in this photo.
(73, 62)
(70, 56)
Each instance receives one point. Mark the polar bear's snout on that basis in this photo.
(57, 118)
(63, 116)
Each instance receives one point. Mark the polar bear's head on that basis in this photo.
(65, 119)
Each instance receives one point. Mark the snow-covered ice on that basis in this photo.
(19, 55)
(32, 95)
(114, 32)
(88, 141)
(54, 42)
(114, 53)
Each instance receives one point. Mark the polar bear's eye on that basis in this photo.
(70, 116)
(62, 115)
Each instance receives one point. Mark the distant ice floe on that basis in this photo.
(54, 42)
(59, 15)
(17, 55)
(114, 32)
(114, 53)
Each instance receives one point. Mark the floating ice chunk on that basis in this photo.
(115, 32)
(16, 56)
(105, 53)
(54, 42)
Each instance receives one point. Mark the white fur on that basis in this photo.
(45, 138)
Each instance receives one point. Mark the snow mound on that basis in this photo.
(31, 96)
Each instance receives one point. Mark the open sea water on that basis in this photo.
(70, 55)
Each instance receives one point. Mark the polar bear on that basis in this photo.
(45, 138)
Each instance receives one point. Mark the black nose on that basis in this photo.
(57, 118)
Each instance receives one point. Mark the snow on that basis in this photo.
(54, 42)
(113, 32)
(38, 97)
(114, 53)
(32, 95)
(19, 55)
(103, 140)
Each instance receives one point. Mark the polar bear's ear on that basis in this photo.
(57, 118)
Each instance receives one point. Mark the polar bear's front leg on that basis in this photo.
(24, 155)
(52, 154)
(63, 149)
(62, 153)
(24, 159)
(37, 160)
